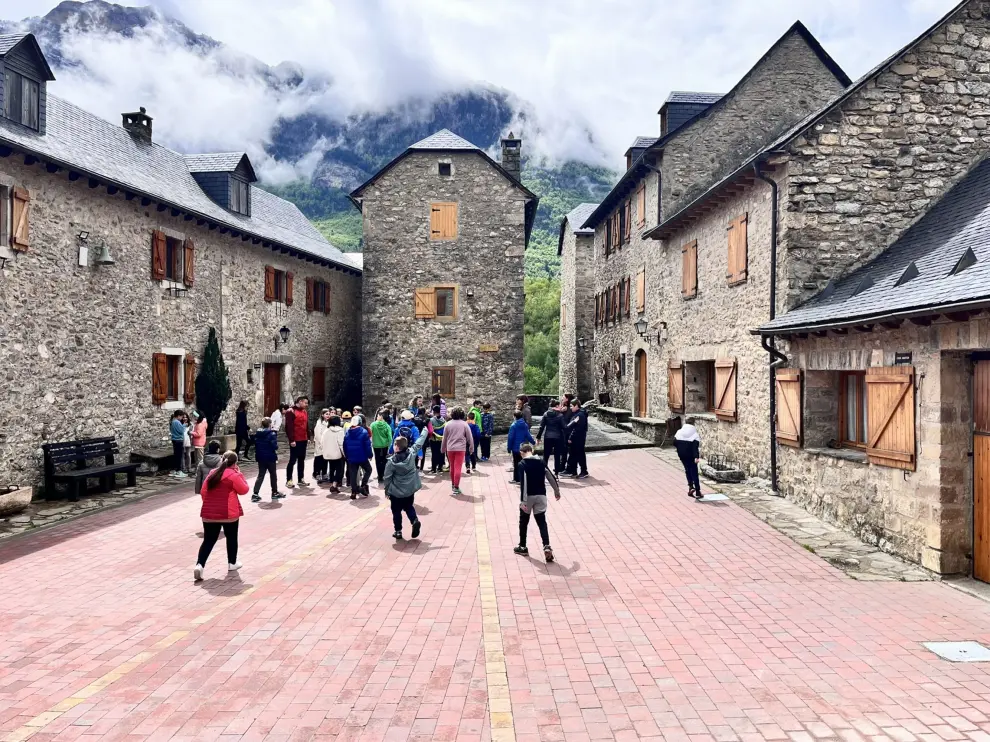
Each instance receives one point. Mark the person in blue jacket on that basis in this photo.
(266, 451)
(518, 434)
(358, 452)
(407, 428)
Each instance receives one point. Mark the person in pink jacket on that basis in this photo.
(221, 510)
(197, 437)
(458, 442)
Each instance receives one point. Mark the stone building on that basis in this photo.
(117, 256)
(577, 318)
(445, 233)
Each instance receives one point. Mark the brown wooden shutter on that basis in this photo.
(159, 378)
(641, 291)
(20, 218)
(426, 304)
(189, 390)
(598, 300)
(725, 388)
(628, 219)
(737, 262)
(689, 270)
(628, 292)
(188, 262)
(890, 437)
(288, 289)
(326, 298)
(309, 294)
(675, 386)
(159, 253)
(269, 283)
(443, 221)
(790, 420)
(641, 205)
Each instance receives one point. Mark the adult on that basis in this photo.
(297, 431)
(242, 431)
(198, 437)
(278, 417)
(458, 442)
(358, 451)
(522, 404)
(177, 434)
(566, 414)
(552, 433)
(221, 511)
(577, 436)
(415, 403)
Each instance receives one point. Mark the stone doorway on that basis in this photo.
(273, 387)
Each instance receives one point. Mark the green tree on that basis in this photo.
(213, 384)
(541, 332)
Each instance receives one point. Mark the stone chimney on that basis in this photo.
(138, 124)
(511, 156)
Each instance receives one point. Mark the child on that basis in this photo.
(333, 453)
(358, 452)
(266, 452)
(473, 422)
(518, 435)
(688, 445)
(177, 434)
(475, 412)
(381, 441)
(437, 424)
(187, 446)
(533, 475)
(211, 460)
(487, 431)
(402, 482)
(319, 463)
(421, 424)
(198, 437)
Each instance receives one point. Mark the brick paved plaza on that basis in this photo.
(662, 619)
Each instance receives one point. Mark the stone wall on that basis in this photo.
(781, 89)
(873, 166)
(76, 342)
(577, 314)
(485, 262)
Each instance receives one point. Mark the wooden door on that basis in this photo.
(641, 383)
(981, 471)
(273, 387)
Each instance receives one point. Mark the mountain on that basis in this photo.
(311, 149)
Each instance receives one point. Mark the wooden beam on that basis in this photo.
(801, 335)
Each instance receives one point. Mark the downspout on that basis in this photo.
(776, 357)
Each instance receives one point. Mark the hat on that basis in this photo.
(406, 415)
(346, 416)
(195, 414)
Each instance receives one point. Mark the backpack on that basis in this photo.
(406, 431)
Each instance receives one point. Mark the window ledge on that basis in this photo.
(706, 416)
(844, 454)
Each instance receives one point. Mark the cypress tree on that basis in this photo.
(212, 385)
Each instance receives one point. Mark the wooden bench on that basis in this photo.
(78, 453)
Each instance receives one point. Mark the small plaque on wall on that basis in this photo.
(488, 348)
(902, 359)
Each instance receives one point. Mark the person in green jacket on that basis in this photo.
(402, 482)
(381, 440)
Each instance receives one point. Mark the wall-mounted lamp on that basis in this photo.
(103, 256)
(282, 336)
(584, 344)
(470, 292)
(83, 236)
(641, 326)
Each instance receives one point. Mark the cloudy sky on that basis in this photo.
(602, 64)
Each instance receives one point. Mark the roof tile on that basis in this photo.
(444, 139)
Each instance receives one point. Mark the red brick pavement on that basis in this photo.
(663, 618)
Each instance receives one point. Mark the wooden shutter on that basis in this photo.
(675, 386)
(641, 291)
(426, 304)
(443, 382)
(188, 262)
(725, 389)
(326, 298)
(597, 307)
(736, 272)
(443, 221)
(189, 389)
(159, 378)
(628, 291)
(319, 382)
(890, 412)
(269, 283)
(790, 420)
(310, 303)
(641, 205)
(628, 219)
(288, 289)
(20, 232)
(689, 270)
(159, 253)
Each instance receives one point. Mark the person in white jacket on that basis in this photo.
(319, 463)
(331, 447)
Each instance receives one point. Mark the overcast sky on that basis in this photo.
(604, 64)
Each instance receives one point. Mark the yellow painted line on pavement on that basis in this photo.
(39, 722)
(499, 704)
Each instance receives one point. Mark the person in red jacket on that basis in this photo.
(297, 431)
(221, 510)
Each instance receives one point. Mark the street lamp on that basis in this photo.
(282, 335)
(641, 326)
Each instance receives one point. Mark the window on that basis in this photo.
(317, 296)
(436, 302)
(445, 302)
(443, 381)
(240, 200)
(278, 286)
(699, 386)
(444, 169)
(174, 258)
(443, 221)
(172, 378)
(21, 101)
(641, 290)
(319, 383)
(641, 205)
(852, 409)
(689, 270)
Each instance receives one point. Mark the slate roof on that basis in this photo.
(443, 139)
(218, 162)
(643, 142)
(78, 141)
(934, 246)
(575, 221)
(9, 41)
(685, 96)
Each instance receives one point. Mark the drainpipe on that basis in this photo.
(776, 357)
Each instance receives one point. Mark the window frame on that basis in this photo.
(240, 198)
(454, 300)
(862, 420)
(27, 84)
(175, 259)
(173, 378)
(321, 295)
(710, 400)
(278, 286)
(440, 169)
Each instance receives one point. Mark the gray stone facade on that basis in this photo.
(483, 343)
(577, 312)
(76, 343)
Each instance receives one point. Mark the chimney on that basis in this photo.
(138, 124)
(511, 152)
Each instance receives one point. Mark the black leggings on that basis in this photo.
(211, 532)
(541, 523)
(248, 441)
(335, 471)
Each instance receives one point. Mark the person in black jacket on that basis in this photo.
(688, 445)
(577, 435)
(533, 477)
(552, 433)
(242, 431)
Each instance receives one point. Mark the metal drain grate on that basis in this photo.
(959, 651)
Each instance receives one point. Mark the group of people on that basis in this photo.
(564, 433)
(187, 433)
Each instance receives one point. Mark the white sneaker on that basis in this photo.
(181, 475)
(198, 572)
(234, 567)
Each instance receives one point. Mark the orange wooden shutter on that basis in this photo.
(159, 378)
(675, 386)
(689, 269)
(288, 289)
(269, 283)
(189, 392)
(20, 233)
(598, 300)
(725, 389)
(158, 255)
(309, 294)
(890, 437)
(443, 221)
(641, 205)
(188, 262)
(628, 291)
(426, 304)
(737, 262)
(641, 291)
(628, 219)
(790, 421)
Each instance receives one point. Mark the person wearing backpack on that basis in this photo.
(358, 451)
(381, 441)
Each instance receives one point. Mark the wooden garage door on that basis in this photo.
(981, 471)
